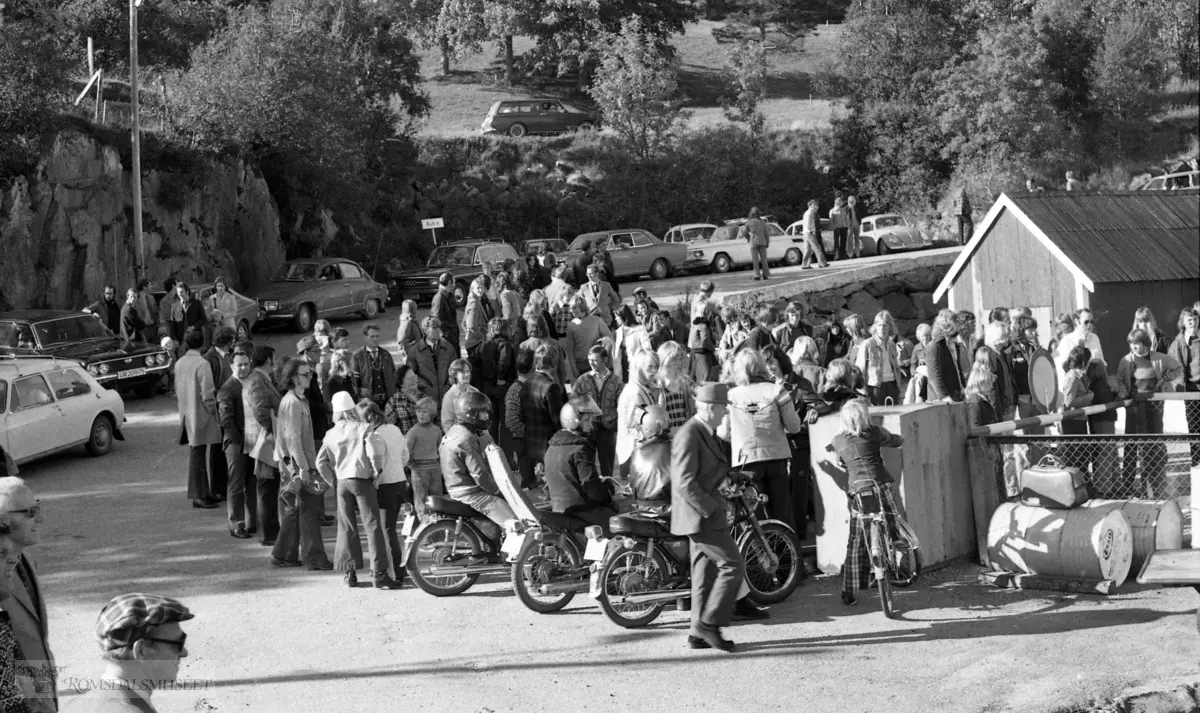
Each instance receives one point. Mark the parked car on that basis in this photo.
(796, 231)
(1173, 181)
(304, 290)
(548, 246)
(888, 232)
(634, 252)
(518, 117)
(689, 232)
(245, 317)
(462, 258)
(50, 404)
(84, 338)
(724, 251)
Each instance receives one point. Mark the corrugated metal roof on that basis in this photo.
(1122, 237)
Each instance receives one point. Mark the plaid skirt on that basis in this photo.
(856, 572)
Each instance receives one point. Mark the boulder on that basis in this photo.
(922, 279)
(881, 286)
(863, 304)
(908, 328)
(926, 309)
(851, 287)
(830, 301)
(899, 305)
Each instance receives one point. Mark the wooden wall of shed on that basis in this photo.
(1016, 270)
(1113, 304)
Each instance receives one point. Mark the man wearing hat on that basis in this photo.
(640, 295)
(699, 464)
(142, 643)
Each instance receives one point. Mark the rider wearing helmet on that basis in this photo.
(650, 464)
(575, 484)
(465, 468)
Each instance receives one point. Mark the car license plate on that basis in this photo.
(409, 523)
(594, 582)
(130, 373)
(595, 549)
(512, 545)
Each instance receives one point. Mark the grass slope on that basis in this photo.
(461, 99)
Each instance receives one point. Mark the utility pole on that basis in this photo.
(136, 139)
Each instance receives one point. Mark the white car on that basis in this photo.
(888, 232)
(724, 251)
(796, 230)
(689, 232)
(49, 405)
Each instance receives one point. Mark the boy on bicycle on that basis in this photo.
(858, 446)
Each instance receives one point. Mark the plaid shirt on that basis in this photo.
(606, 396)
(401, 410)
(562, 317)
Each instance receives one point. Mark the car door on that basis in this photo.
(644, 252)
(332, 297)
(356, 285)
(35, 422)
(620, 248)
(69, 387)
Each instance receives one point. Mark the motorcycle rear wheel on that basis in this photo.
(629, 571)
(532, 565)
(772, 587)
(432, 547)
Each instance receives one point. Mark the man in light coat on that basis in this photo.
(812, 237)
(200, 425)
(755, 231)
(21, 596)
(602, 300)
(699, 464)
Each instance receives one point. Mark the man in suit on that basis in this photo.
(187, 316)
(542, 400)
(218, 360)
(601, 300)
(240, 466)
(21, 597)
(319, 415)
(107, 309)
(198, 420)
(699, 464)
(444, 309)
(374, 369)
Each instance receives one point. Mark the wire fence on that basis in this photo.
(1155, 467)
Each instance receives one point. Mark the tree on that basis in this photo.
(746, 72)
(1127, 70)
(33, 83)
(634, 86)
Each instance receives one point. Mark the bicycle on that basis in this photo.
(891, 543)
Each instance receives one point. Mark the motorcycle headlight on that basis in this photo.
(103, 369)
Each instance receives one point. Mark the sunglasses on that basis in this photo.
(1085, 321)
(179, 643)
(29, 512)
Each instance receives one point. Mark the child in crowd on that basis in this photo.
(422, 441)
(676, 385)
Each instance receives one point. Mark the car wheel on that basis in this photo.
(100, 439)
(586, 126)
(243, 331)
(659, 270)
(460, 294)
(305, 317)
(791, 257)
(722, 264)
(882, 249)
(371, 308)
(517, 130)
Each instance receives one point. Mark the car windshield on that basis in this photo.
(889, 221)
(452, 255)
(578, 243)
(572, 108)
(773, 229)
(296, 272)
(70, 329)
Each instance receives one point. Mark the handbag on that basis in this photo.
(1050, 484)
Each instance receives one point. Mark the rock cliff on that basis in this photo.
(66, 231)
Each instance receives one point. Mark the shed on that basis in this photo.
(1058, 252)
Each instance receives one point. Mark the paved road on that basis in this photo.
(272, 641)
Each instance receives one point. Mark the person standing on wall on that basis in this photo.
(840, 223)
(812, 237)
(754, 230)
(853, 243)
(962, 213)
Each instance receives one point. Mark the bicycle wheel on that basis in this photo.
(881, 564)
(906, 555)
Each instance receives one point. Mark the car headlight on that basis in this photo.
(163, 358)
(151, 359)
(271, 306)
(103, 369)
(93, 370)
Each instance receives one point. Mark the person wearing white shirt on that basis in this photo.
(1082, 336)
(389, 448)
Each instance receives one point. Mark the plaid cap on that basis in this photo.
(127, 618)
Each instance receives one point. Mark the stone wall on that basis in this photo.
(67, 231)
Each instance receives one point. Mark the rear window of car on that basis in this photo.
(641, 240)
(697, 233)
(29, 391)
(350, 272)
(67, 383)
(725, 232)
(889, 222)
(577, 244)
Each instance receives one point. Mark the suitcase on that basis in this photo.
(1050, 484)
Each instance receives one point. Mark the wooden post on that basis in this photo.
(99, 94)
(135, 132)
(1012, 580)
(986, 493)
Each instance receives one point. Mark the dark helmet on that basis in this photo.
(474, 410)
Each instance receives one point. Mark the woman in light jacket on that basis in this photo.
(876, 358)
(353, 456)
(222, 302)
(640, 392)
(301, 486)
(761, 416)
(392, 488)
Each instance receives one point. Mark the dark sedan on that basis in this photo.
(305, 290)
(83, 337)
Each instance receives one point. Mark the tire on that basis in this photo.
(585, 126)
(243, 331)
(100, 437)
(791, 257)
(517, 130)
(304, 319)
(628, 571)
(659, 269)
(371, 309)
(460, 294)
(906, 568)
(721, 264)
(766, 586)
(881, 248)
(432, 547)
(533, 568)
(882, 568)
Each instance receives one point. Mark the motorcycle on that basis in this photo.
(452, 547)
(643, 567)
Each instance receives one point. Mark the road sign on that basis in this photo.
(431, 223)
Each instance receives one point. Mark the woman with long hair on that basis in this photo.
(401, 408)
(392, 489)
(640, 392)
(301, 485)
(341, 377)
(222, 306)
(856, 330)
(538, 306)
(512, 305)
(837, 343)
(460, 383)
(1143, 319)
(977, 393)
(675, 385)
(499, 369)
(1063, 325)
(878, 361)
(941, 359)
(408, 334)
(842, 383)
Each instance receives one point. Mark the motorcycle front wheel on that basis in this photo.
(630, 571)
(545, 562)
(772, 580)
(439, 545)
